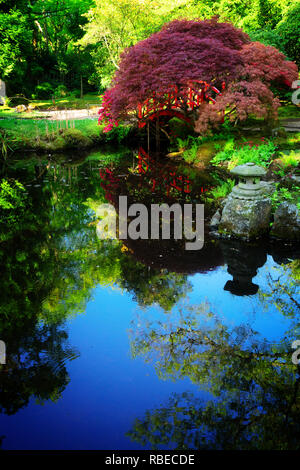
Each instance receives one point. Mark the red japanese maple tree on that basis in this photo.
(187, 51)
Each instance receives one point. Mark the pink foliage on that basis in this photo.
(250, 92)
(206, 50)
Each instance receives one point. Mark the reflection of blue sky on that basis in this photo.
(108, 389)
(234, 310)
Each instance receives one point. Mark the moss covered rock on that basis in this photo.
(245, 218)
(286, 224)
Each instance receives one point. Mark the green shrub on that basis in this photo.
(238, 155)
(225, 154)
(44, 91)
(282, 194)
(5, 140)
(190, 155)
(76, 93)
(190, 148)
(290, 159)
(118, 134)
(61, 91)
(223, 190)
(179, 129)
(75, 138)
(18, 100)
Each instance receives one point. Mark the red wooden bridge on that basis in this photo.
(177, 103)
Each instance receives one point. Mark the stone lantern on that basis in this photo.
(249, 186)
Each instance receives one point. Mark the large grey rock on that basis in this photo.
(215, 220)
(245, 218)
(286, 224)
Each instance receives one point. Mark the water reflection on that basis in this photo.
(52, 262)
(243, 265)
(36, 366)
(254, 385)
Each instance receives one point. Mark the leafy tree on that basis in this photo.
(184, 52)
(39, 41)
(15, 42)
(113, 26)
(289, 31)
(253, 91)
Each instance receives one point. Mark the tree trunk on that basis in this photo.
(157, 137)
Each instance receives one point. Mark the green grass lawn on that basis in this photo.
(68, 102)
(45, 135)
(31, 128)
(55, 136)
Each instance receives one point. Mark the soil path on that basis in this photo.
(62, 114)
(291, 125)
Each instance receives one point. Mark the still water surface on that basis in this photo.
(139, 345)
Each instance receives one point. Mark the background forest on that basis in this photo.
(59, 46)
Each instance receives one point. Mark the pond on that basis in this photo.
(139, 344)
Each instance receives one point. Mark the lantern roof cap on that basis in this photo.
(248, 169)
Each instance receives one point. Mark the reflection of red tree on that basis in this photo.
(161, 177)
(110, 184)
(166, 178)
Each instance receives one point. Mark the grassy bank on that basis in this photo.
(69, 102)
(200, 151)
(43, 135)
(30, 130)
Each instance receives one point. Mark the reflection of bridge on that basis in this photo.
(177, 103)
(159, 176)
(166, 176)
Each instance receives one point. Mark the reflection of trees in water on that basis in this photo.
(282, 288)
(265, 419)
(255, 385)
(151, 286)
(36, 366)
(51, 260)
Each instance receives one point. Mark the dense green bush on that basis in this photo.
(238, 155)
(44, 91)
(222, 190)
(61, 91)
(75, 138)
(283, 194)
(76, 93)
